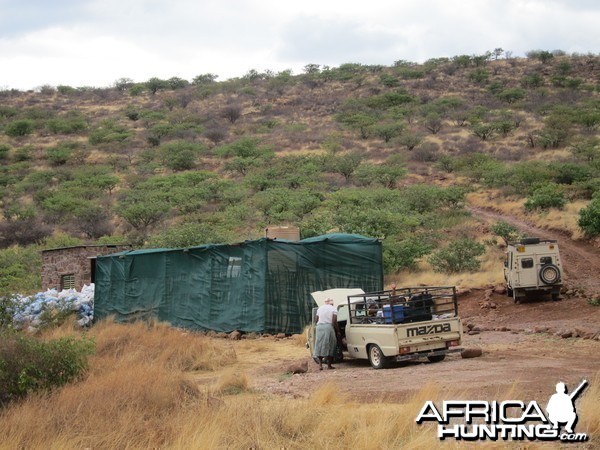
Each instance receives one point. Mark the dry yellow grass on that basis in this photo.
(563, 220)
(490, 273)
(553, 155)
(138, 394)
(588, 409)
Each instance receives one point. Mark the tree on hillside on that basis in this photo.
(511, 95)
(587, 149)
(93, 221)
(123, 84)
(433, 122)
(387, 131)
(143, 214)
(244, 154)
(344, 164)
(207, 78)
(231, 112)
(458, 256)
(176, 83)
(508, 232)
(410, 140)
(387, 174)
(156, 84)
(589, 218)
(312, 68)
(462, 60)
(542, 55)
(180, 155)
(215, 134)
(483, 131)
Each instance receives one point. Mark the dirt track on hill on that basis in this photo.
(581, 259)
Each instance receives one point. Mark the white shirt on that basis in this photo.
(326, 313)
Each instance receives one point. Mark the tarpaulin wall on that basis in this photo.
(255, 286)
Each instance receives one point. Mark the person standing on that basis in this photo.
(326, 333)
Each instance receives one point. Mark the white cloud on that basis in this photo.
(95, 42)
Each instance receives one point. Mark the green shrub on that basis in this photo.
(7, 304)
(4, 150)
(69, 125)
(20, 269)
(506, 231)
(389, 80)
(546, 196)
(458, 256)
(512, 95)
(29, 365)
(403, 254)
(23, 154)
(533, 80)
(19, 128)
(589, 218)
(180, 155)
(192, 233)
(109, 131)
(525, 177)
(66, 90)
(479, 75)
(57, 156)
(137, 89)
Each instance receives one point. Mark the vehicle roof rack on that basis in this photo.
(532, 240)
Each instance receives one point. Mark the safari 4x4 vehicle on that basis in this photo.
(532, 265)
(394, 325)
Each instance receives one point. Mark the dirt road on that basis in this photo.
(581, 260)
(529, 355)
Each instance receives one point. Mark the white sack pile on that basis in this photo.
(28, 310)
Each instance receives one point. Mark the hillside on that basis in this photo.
(392, 152)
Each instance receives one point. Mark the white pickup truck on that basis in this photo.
(394, 325)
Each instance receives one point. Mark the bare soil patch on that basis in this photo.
(515, 359)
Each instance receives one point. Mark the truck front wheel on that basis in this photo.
(376, 357)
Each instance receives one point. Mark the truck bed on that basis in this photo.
(404, 305)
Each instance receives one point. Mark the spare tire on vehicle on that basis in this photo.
(550, 274)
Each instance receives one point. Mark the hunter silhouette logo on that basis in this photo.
(561, 406)
(509, 419)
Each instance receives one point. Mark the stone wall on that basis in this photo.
(73, 261)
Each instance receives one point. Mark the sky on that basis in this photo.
(93, 43)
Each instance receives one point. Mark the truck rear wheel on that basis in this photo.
(436, 358)
(376, 357)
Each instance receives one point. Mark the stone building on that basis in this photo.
(72, 267)
(288, 232)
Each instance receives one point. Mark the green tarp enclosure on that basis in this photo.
(258, 286)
